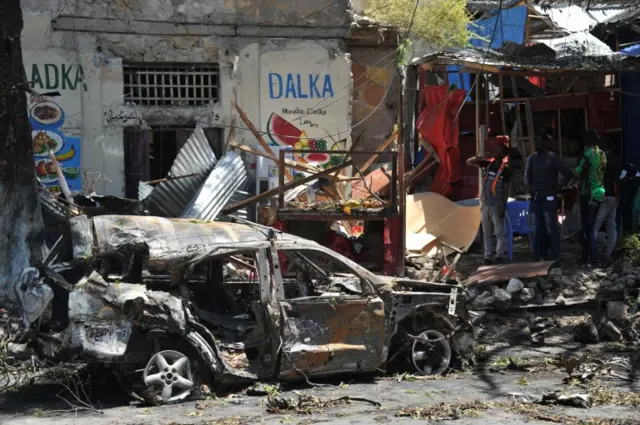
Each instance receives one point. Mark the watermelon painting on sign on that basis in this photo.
(282, 133)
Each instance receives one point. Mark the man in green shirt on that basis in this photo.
(590, 170)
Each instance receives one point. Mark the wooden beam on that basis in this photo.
(380, 150)
(288, 162)
(501, 94)
(477, 131)
(288, 186)
(473, 67)
(402, 193)
(530, 126)
(551, 96)
(520, 128)
(258, 137)
(481, 67)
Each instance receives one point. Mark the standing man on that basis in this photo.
(543, 168)
(628, 184)
(590, 171)
(607, 212)
(496, 175)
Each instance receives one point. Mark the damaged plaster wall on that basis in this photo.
(98, 37)
(375, 96)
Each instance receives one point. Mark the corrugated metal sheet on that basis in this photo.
(53, 205)
(576, 18)
(170, 198)
(144, 190)
(225, 179)
(237, 197)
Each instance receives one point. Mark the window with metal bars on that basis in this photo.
(171, 84)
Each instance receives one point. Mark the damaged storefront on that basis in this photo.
(116, 103)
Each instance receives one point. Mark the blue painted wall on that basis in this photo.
(509, 25)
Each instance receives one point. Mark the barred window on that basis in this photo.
(171, 84)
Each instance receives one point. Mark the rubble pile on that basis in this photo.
(560, 287)
(609, 301)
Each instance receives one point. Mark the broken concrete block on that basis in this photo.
(18, 351)
(560, 300)
(587, 333)
(545, 284)
(617, 310)
(616, 287)
(515, 286)
(555, 272)
(610, 331)
(502, 299)
(527, 294)
(472, 294)
(483, 301)
(600, 274)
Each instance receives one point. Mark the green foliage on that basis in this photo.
(441, 23)
(629, 249)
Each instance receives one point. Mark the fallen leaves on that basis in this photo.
(443, 411)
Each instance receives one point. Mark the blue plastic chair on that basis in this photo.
(516, 222)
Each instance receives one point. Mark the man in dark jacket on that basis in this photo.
(628, 184)
(607, 212)
(543, 168)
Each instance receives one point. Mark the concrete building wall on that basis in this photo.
(274, 57)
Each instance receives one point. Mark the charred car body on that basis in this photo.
(169, 304)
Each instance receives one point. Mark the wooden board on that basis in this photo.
(433, 216)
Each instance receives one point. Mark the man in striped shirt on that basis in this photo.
(496, 176)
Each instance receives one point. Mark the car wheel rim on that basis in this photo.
(431, 353)
(169, 372)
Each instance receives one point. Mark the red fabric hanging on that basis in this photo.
(538, 81)
(438, 126)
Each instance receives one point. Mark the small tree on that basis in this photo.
(439, 23)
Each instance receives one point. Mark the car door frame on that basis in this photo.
(299, 357)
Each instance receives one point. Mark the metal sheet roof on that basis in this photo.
(576, 18)
(195, 160)
(578, 44)
(493, 61)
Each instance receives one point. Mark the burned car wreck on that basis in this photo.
(170, 304)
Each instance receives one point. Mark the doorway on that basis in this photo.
(150, 153)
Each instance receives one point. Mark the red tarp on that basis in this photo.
(438, 126)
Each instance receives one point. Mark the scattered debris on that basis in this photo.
(571, 400)
(443, 411)
(610, 331)
(308, 404)
(587, 332)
